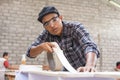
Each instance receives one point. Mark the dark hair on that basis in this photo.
(47, 10)
(117, 63)
(5, 54)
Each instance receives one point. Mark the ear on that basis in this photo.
(61, 17)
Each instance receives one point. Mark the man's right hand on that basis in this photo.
(47, 46)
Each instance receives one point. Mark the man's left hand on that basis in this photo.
(86, 69)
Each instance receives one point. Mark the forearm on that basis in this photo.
(46, 46)
(13, 67)
(91, 59)
(35, 50)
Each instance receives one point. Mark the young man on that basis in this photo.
(72, 37)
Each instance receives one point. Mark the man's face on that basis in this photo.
(53, 23)
(6, 57)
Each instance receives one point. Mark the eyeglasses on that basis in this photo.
(47, 23)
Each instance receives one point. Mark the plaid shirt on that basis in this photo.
(74, 41)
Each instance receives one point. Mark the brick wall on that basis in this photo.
(19, 26)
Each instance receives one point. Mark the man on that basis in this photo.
(6, 62)
(5, 66)
(5, 56)
(73, 39)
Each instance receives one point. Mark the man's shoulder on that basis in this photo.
(2, 59)
(43, 33)
(71, 23)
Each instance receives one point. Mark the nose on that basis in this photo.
(51, 24)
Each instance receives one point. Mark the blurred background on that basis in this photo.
(19, 27)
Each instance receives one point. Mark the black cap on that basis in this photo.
(47, 10)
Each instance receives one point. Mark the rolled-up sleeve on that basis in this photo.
(28, 52)
(93, 49)
(86, 43)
